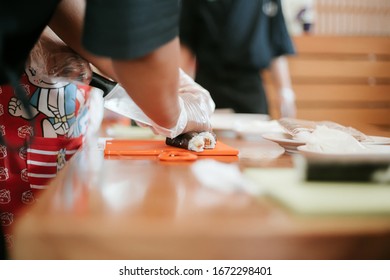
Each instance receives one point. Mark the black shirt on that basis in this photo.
(21, 23)
(120, 29)
(125, 29)
(233, 40)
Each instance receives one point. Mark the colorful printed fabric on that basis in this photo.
(36, 149)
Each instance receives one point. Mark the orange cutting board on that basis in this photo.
(124, 147)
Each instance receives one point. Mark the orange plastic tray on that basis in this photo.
(155, 147)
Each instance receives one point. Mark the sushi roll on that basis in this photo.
(191, 141)
(194, 141)
(210, 139)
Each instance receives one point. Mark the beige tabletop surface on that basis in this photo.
(127, 207)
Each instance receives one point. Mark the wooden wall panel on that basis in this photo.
(343, 79)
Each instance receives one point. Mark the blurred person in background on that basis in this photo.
(226, 45)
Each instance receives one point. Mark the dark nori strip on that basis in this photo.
(182, 140)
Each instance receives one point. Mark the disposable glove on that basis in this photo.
(196, 107)
(54, 60)
(197, 104)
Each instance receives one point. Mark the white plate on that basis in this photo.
(290, 144)
(377, 140)
(285, 140)
(259, 150)
(373, 151)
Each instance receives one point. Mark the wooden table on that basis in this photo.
(123, 208)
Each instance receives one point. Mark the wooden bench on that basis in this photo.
(343, 79)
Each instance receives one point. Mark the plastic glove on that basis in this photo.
(54, 60)
(196, 107)
(287, 103)
(197, 103)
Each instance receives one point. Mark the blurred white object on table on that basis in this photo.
(244, 125)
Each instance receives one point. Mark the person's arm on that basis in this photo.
(154, 83)
(282, 80)
(150, 78)
(155, 91)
